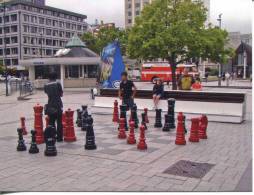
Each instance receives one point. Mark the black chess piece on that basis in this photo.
(84, 121)
(123, 114)
(144, 120)
(33, 148)
(21, 143)
(166, 127)
(90, 137)
(85, 109)
(50, 140)
(184, 124)
(79, 118)
(134, 115)
(158, 122)
(171, 113)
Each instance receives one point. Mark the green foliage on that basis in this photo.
(104, 37)
(2, 68)
(175, 30)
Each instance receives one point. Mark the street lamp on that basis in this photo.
(220, 22)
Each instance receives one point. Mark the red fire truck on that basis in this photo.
(154, 70)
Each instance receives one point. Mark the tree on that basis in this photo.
(98, 41)
(175, 30)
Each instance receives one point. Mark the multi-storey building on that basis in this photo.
(133, 8)
(31, 29)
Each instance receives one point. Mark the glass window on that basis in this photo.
(74, 71)
(92, 71)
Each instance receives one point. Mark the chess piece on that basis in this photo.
(38, 123)
(184, 124)
(84, 121)
(158, 123)
(123, 109)
(166, 127)
(194, 130)
(33, 148)
(171, 113)
(131, 138)
(50, 140)
(23, 125)
(121, 131)
(64, 123)
(70, 132)
(142, 140)
(143, 116)
(146, 115)
(79, 118)
(116, 112)
(180, 136)
(47, 120)
(134, 115)
(21, 143)
(203, 127)
(90, 137)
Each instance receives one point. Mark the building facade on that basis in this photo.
(30, 29)
(133, 9)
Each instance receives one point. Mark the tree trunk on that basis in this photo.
(174, 80)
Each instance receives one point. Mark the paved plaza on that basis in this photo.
(116, 166)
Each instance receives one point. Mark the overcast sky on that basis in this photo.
(236, 13)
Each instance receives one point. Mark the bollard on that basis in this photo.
(38, 124)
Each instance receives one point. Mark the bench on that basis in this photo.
(218, 106)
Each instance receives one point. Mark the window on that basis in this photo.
(129, 14)
(129, 21)
(49, 22)
(14, 17)
(73, 71)
(14, 29)
(41, 20)
(14, 39)
(48, 32)
(14, 51)
(137, 13)
(26, 18)
(92, 71)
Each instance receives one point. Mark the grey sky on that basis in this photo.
(237, 14)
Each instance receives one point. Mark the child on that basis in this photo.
(158, 91)
(197, 86)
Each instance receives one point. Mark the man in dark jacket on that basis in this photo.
(55, 105)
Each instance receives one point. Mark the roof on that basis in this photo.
(75, 42)
(244, 47)
(45, 7)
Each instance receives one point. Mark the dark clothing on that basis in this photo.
(129, 102)
(52, 121)
(55, 92)
(158, 90)
(126, 89)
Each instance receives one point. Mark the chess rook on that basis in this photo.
(38, 123)
(70, 132)
(194, 130)
(115, 112)
(202, 133)
(166, 127)
(23, 125)
(146, 115)
(142, 140)
(33, 148)
(50, 140)
(90, 137)
(131, 138)
(158, 123)
(180, 135)
(21, 143)
(121, 131)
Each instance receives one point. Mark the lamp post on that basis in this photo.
(244, 64)
(220, 22)
(41, 44)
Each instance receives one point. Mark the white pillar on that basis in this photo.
(244, 64)
(31, 73)
(62, 74)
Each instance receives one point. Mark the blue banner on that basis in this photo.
(112, 66)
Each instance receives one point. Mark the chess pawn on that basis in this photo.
(50, 140)
(144, 120)
(21, 143)
(158, 123)
(121, 131)
(90, 137)
(166, 127)
(142, 140)
(33, 148)
(131, 138)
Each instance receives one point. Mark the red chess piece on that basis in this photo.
(38, 124)
(202, 133)
(194, 130)
(146, 114)
(23, 125)
(131, 139)
(180, 134)
(47, 121)
(64, 124)
(116, 112)
(121, 131)
(142, 140)
(70, 132)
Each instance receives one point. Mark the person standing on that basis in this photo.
(54, 108)
(127, 91)
(158, 92)
(186, 81)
